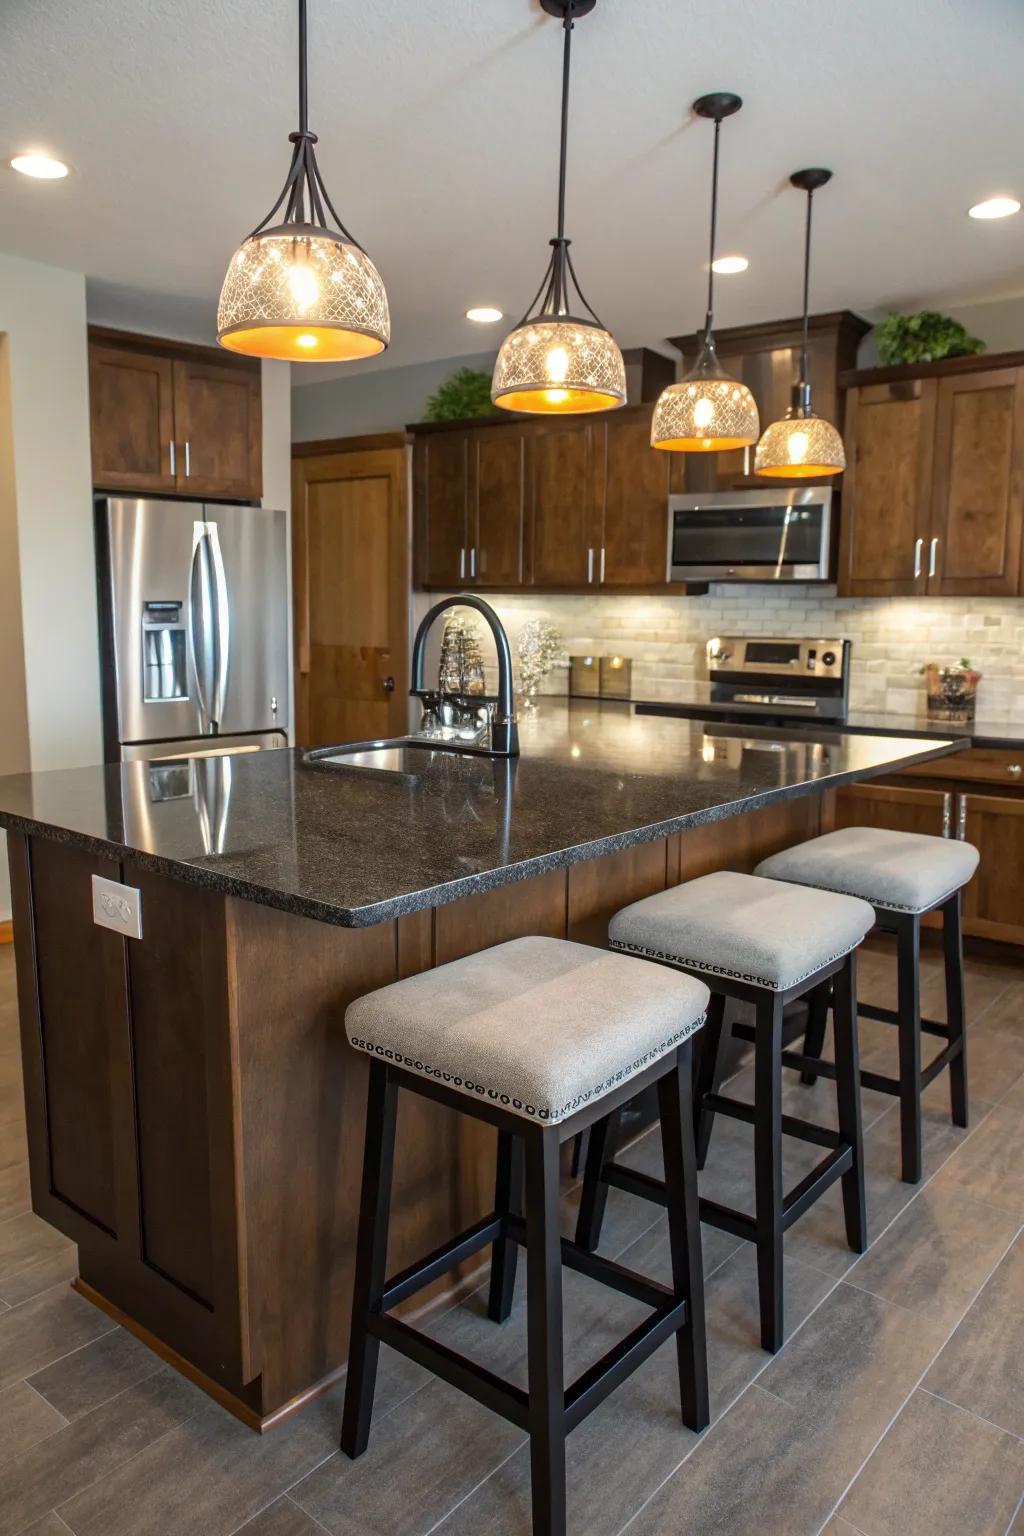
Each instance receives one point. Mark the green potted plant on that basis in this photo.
(467, 393)
(924, 338)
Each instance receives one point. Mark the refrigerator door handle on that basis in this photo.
(209, 626)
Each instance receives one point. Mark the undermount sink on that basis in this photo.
(405, 756)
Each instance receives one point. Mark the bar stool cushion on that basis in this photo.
(537, 1026)
(738, 926)
(898, 871)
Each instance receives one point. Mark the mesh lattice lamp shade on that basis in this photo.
(705, 415)
(555, 366)
(800, 447)
(303, 296)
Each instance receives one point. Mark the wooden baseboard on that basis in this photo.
(7, 932)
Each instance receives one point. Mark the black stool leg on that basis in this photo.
(544, 1332)
(708, 1076)
(594, 1194)
(956, 1009)
(508, 1194)
(848, 1102)
(675, 1105)
(371, 1258)
(908, 960)
(768, 1167)
(817, 1024)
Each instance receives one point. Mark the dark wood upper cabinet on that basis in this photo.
(172, 417)
(890, 436)
(978, 488)
(131, 405)
(565, 526)
(441, 497)
(635, 478)
(497, 503)
(934, 497)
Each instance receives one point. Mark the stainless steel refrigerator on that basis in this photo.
(194, 627)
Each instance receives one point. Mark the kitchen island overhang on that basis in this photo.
(194, 1112)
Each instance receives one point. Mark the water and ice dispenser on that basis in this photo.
(163, 652)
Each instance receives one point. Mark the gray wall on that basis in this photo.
(372, 400)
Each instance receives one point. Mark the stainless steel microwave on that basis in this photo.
(783, 535)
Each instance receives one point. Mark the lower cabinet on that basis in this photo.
(994, 823)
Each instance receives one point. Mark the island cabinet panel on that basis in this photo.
(994, 899)
(895, 807)
(978, 502)
(886, 525)
(598, 888)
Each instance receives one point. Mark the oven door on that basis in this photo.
(751, 535)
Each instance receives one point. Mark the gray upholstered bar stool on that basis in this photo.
(903, 875)
(765, 943)
(538, 1037)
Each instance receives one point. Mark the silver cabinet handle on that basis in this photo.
(602, 563)
(933, 552)
(1014, 769)
(590, 565)
(918, 550)
(472, 563)
(188, 458)
(173, 457)
(462, 565)
(961, 817)
(947, 813)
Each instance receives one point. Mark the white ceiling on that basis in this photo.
(438, 141)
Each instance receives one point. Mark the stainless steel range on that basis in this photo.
(779, 681)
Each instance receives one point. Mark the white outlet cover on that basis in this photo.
(116, 906)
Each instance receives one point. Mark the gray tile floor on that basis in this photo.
(896, 1407)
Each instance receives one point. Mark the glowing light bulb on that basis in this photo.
(704, 412)
(556, 365)
(303, 286)
(797, 444)
(305, 341)
(556, 396)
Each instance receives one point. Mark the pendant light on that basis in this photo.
(802, 444)
(560, 359)
(707, 411)
(300, 289)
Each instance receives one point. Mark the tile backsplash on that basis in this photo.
(891, 637)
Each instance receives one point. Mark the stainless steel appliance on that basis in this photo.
(194, 627)
(779, 680)
(783, 535)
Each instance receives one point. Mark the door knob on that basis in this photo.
(1015, 769)
(389, 685)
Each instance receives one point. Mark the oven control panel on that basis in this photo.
(780, 658)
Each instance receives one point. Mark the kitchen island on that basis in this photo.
(194, 1113)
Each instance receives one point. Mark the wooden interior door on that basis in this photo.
(131, 408)
(497, 501)
(441, 469)
(890, 436)
(634, 542)
(978, 505)
(350, 555)
(994, 899)
(218, 425)
(564, 521)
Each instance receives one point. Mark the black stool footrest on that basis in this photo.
(599, 1380)
(890, 1016)
(457, 1370)
(803, 1130)
(405, 1284)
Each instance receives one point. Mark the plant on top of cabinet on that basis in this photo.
(465, 395)
(924, 338)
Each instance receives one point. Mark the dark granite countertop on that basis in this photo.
(353, 847)
(985, 731)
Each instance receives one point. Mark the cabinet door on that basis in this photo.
(565, 527)
(890, 434)
(131, 410)
(218, 426)
(634, 546)
(441, 490)
(896, 808)
(497, 501)
(978, 490)
(994, 899)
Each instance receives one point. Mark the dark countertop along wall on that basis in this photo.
(356, 847)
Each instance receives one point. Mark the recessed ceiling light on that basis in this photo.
(484, 314)
(42, 167)
(730, 264)
(995, 208)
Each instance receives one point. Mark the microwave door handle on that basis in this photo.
(784, 540)
(209, 626)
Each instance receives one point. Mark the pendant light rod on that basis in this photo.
(716, 105)
(567, 27)
(808, 181)
(303, 73)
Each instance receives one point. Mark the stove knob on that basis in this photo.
(828, 659)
